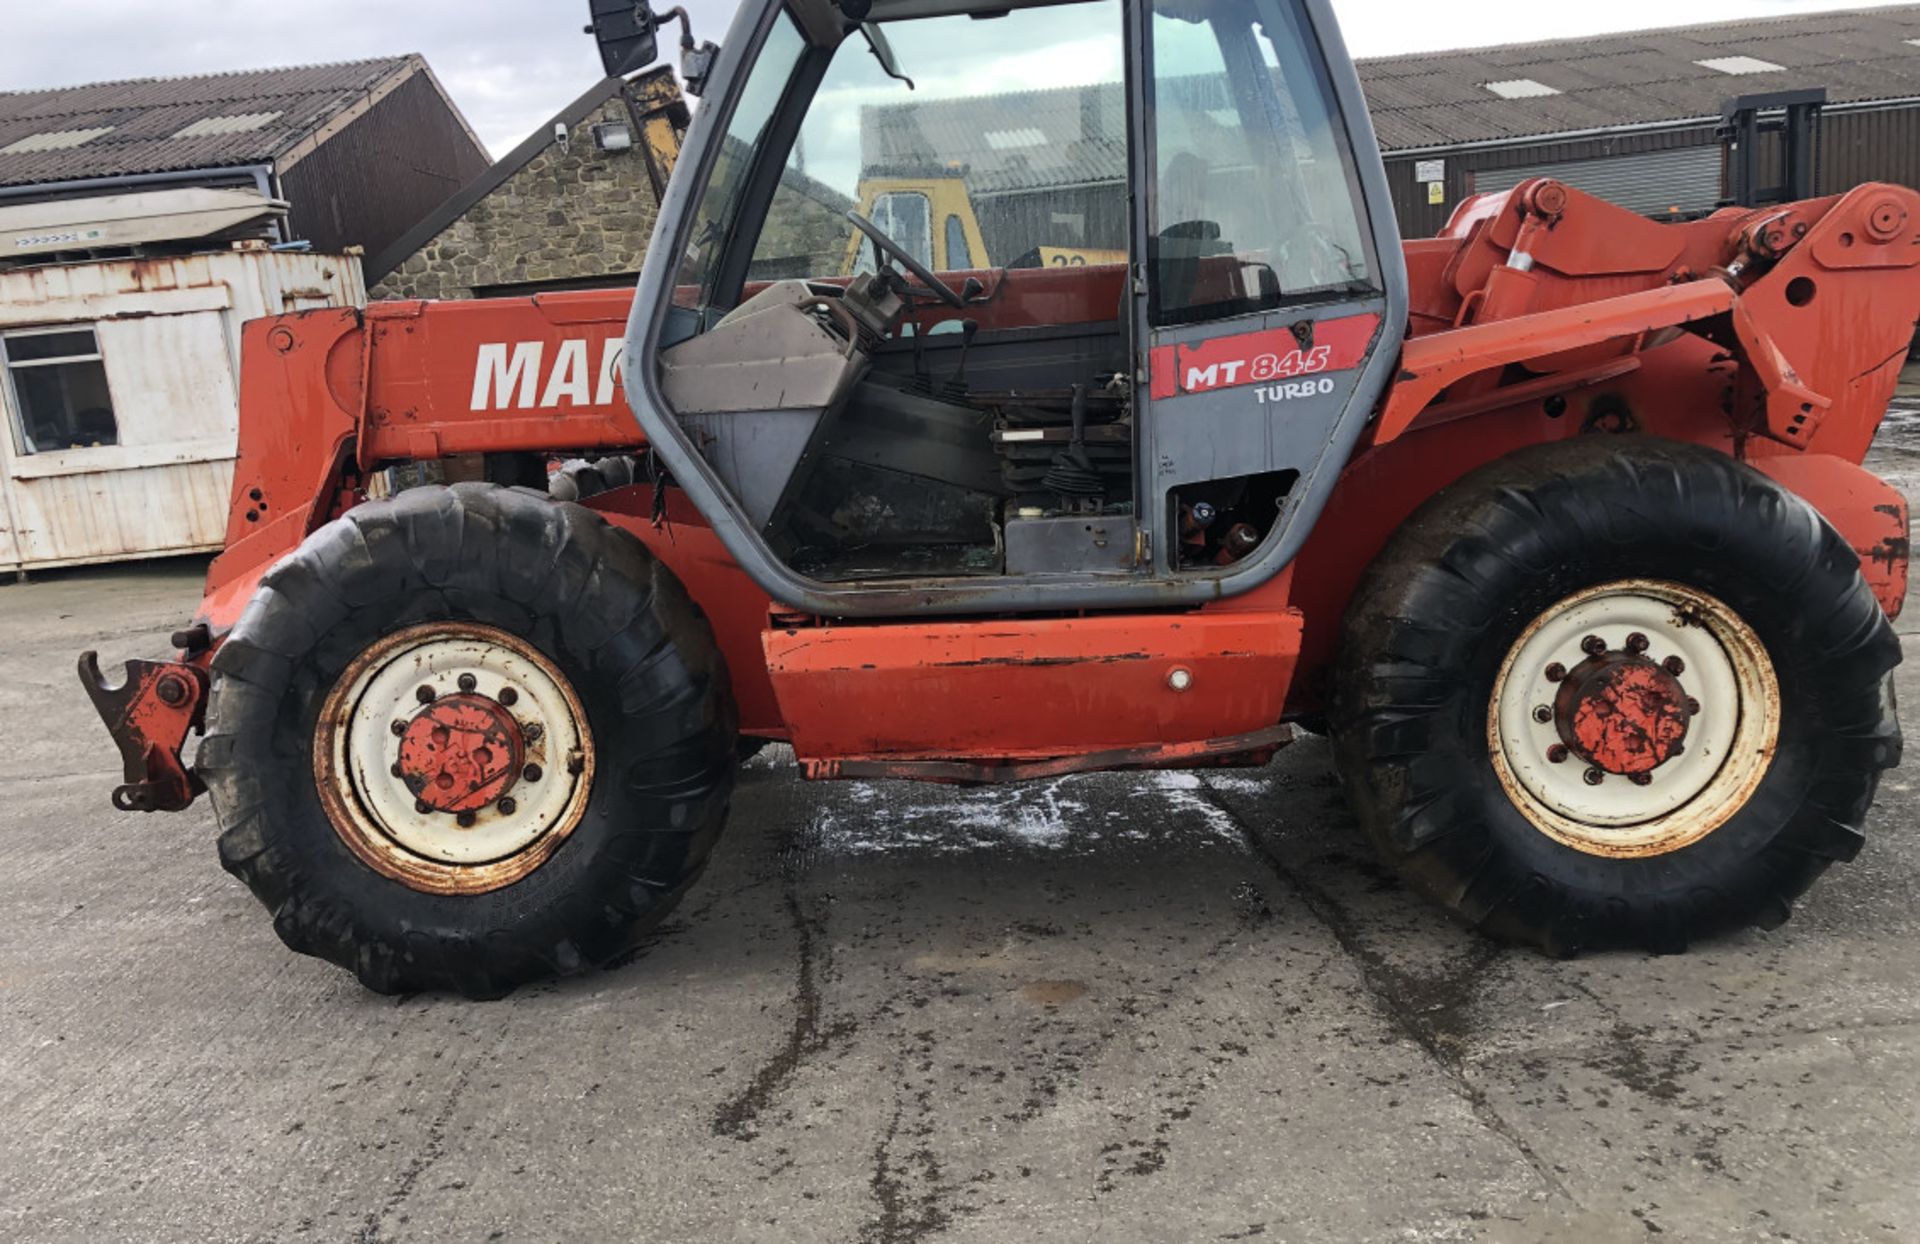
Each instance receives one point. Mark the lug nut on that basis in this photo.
(1557, 754)
(1676, 749)
(1593, 776)
(396, 770)
(1556, 672)
(399, 728)
(507, 806)
(468, 682)
(1693, 707)
(1636, 642)
(531, 730)
(1674, 666)
(1593, 645)
(509, 697)
(1542, 714)
(422, 807)
(531, 773)
(465, 820)
(1640, 779)
(425, 694)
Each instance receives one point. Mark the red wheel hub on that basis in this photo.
(1622, 713)
(461, 753)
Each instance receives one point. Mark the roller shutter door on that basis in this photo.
(1650, 182)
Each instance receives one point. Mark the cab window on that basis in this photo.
(973, 129)
(1254, 203)
(959, 257)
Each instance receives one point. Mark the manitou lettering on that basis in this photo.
(508, 375)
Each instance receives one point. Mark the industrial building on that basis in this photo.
(141, 223)
(360, 152)
(1634, 117)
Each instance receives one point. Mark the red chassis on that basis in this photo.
(1618, 326)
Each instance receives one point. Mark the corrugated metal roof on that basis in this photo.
(158, 125)
(1433, 99)
(1440, 98)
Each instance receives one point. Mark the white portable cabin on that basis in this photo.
(119, 378)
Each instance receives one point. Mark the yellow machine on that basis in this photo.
(934, 218)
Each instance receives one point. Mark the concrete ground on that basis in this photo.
(1162, 1007)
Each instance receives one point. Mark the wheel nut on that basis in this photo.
(509, 697)
(507, 806)
(468, 682)
(1693, 707)
(1593, 776)
(1542, 714)
(396, 770)
(531, 731)
(1593, 645)
(1556, 672)
(465, 820)
(1636, 642)
(1674, 666)
(422, 807)
(1557, 754)
(1640, 779)
(399, 728)
(425, 694)
(1676, 749)
(531, 773)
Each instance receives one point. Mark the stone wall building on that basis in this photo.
(572, 213)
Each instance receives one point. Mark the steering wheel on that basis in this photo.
(899, 254)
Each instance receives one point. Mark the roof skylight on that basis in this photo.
(238, 123)
(1520, 88)
(54, 140)
(1007, 140)
(1739, 64)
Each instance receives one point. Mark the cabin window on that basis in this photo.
(57, 382)
(959, 255)
(1254, 203)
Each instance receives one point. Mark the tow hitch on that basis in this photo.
(149, 716)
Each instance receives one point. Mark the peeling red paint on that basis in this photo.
(1626, 716)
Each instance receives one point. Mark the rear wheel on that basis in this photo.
(1615, 693)
(466, 739)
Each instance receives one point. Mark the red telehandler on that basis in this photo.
(1555, 523)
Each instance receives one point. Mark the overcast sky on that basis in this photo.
(512, 64)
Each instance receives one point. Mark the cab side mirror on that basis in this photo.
(625, 31)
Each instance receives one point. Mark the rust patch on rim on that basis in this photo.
(361, 830)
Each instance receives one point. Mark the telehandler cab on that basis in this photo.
(1554, 522)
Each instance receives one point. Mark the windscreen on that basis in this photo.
(1008, 149)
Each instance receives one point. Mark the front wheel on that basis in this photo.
(468, 738)
(1615, 693)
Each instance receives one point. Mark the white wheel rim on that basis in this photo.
(385, 758)
(1584, 794)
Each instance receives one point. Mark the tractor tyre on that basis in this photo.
(581, 478)
(468, 738)
(1615, 693)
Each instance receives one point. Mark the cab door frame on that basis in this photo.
(647, 332)
(1186, 435)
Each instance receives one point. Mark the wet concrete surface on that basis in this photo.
(1113, 1007)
